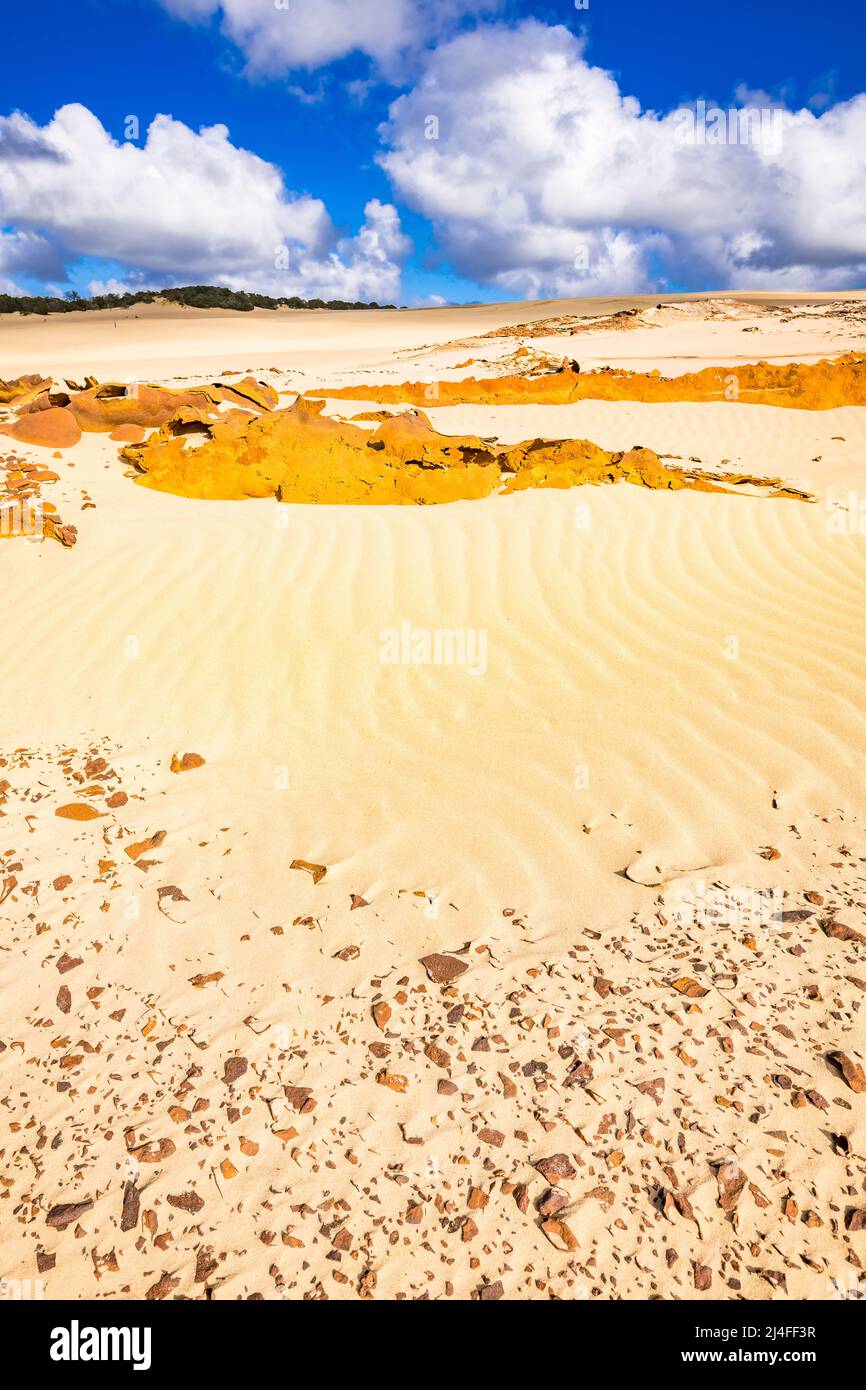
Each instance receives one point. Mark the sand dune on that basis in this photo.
(655, 731)
(161, 341)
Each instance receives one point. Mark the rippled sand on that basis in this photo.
(657, 729)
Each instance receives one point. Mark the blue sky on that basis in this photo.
(320, 125)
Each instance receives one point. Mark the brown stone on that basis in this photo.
(234, 1070)
(851, 1071)
(559, 1234)
(556, 1167)
(492, 1136)
(300, 1098)
(552, 1201)
(187, 1201)
(443, 969)
(131, 1207)
(381, 1014)
(62, 1216)
(438, 1056)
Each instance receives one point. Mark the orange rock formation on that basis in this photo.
(22, 389)
(300, 455)
(52, 428)
(817, 386)
(55, 419)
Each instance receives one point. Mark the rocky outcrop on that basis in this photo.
(803, 386)
(56, 419)
(302, 455)
(23, 389)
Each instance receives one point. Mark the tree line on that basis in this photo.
(195, 296)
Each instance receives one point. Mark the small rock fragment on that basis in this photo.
(62, 1216)
(381, 1014)
(556, 1167)
(316, 871)
(851, 1070)
(553, 1201)
(559, 1234)
(186, 1201)
(187, 763)
(443, 969)
(78, 810)
(131, 1207)
(234, 1070)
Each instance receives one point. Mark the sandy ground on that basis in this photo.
(635, 820)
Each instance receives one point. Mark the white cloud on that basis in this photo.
(129, 286)
(276, 36)
(543, 178)
(186, 206)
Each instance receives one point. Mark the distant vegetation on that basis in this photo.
(196, 296)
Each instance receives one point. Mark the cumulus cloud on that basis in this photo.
(541, 176)
(276, 36)
(114, 286)
(186, 206)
